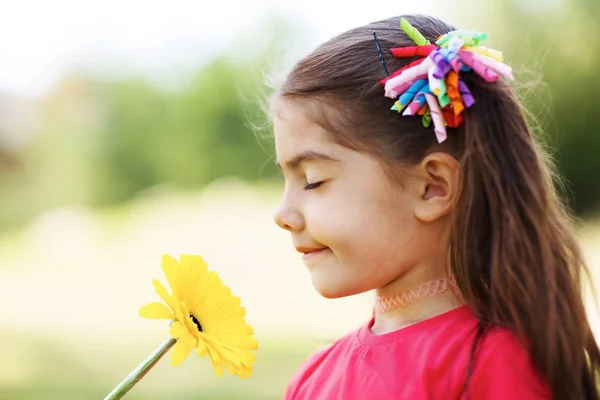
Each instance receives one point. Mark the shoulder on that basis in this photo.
(307, 369)
(503, 369)
(501, 347)
(326, 355)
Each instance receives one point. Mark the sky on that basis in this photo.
(40, 40)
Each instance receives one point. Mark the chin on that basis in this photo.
(330, 290)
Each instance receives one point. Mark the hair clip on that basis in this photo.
(431, 86)
(380, 54)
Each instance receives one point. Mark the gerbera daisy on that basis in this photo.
(206, 316)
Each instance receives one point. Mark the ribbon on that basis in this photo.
(416, 105)
(413, 51)
(486, 51)
(454, 93)
(456, 64)
(469, 58)
(426, 119)
(397, 106)
(455, 44)
(401, 70)
(453, 120)
(436, 85)
(448, 54)
(442, 66)
(465, 93)
(413, 33)
(469, 38)
(438, 121)
(411, 92)
(496, 66)
(400, 83)
(443, 99)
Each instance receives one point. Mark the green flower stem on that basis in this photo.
(137, 374)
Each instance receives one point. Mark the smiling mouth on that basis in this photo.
(313, 253)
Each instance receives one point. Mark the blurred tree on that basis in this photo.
(100, 142)
(188, 138)
(555, 48)
(125, 150)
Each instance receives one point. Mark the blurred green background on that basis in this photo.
(129, 130)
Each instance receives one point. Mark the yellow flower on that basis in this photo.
(206, 316)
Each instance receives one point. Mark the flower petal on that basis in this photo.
(216, 361)
(192, 341)
(244, 373)
(230, 368)
(172, 302)
(196, 262)
(177, 329)
(201, 347)
(156, 311)
(172, 271)
(195, 271)
(180, 352)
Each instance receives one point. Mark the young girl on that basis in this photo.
(456, 226)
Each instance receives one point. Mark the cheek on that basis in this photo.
(326, 216)
(360, 220)
(385, 232)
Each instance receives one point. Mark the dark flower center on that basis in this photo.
(196, 322)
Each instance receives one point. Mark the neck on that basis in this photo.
(420, 294)
(415, 294)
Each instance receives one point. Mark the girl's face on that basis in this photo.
(354, 225)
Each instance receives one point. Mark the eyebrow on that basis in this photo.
(306, 157)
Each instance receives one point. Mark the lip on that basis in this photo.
(309, 254)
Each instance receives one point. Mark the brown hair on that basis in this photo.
(512, 250)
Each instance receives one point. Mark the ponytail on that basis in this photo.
(521, 268)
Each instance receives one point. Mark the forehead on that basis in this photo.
(294, 130)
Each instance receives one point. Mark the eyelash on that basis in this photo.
(311, 186)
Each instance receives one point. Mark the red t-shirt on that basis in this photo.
(427, 360)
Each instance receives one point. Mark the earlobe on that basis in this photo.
(439, 181)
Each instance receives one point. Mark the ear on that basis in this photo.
(439, 186)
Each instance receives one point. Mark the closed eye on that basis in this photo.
(311, 186)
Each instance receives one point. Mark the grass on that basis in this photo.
(39, 366)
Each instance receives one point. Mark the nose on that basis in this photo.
(288, 218)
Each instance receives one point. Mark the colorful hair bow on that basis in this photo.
(431, 86)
